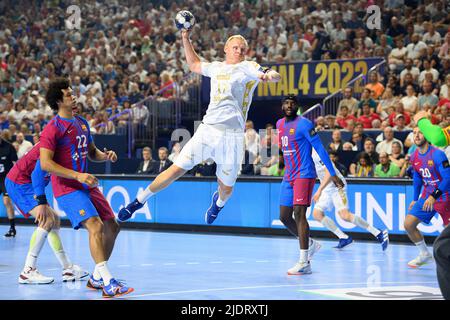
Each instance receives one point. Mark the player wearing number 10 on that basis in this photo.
(432, 171)
(66, 144)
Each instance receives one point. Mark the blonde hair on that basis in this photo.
(236, 36)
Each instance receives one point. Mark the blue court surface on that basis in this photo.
(194, 266)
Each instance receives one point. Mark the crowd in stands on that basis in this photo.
(126, 51)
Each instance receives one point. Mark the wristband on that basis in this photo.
(265, 70)
(42, 199)
(436, 193)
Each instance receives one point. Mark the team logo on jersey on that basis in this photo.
(83, 127)
(430, 163)
(291, 131)
(82, 212)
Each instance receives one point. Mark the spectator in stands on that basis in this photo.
(374, 85)
(357, 141)
(367, 117)
(427, 68)
(336, 141)
(414, 51)
(397, 157)
(386, 144)
(410, 101)
(364, 166)
(23, 145)
(399, 109)
(431, 37)
(204, 169)
(347, 146)
(400, 123)
(167, 90)
(444, 50)
(409, 68)
(386, 169)
(320, 123)
(366, 99)
(444, 92)
(350, 102)
(147, 165)
(427, 98)
(334, 157)
(270, 136)
(330, 122)
(409, 81)
(397, 56)
(387, 100)
(265, 159)
(344, 116)
(164, 162)
(176, 149)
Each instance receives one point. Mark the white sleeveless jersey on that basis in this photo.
(320, 170)
(232, 87)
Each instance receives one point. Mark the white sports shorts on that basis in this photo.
(332, 198)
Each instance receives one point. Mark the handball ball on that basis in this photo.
(184, 20)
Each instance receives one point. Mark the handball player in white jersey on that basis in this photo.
(329, 197)
(221, 135)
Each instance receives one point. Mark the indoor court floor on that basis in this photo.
(199, 266)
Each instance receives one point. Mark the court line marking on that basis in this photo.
(146, 264)
(264, 287)
(4, 272)
(169, 264)
(215, 262)
(262, 261)
(238, 262)
(192, 262)
(354, 260)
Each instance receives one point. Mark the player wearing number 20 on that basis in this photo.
(432, 171)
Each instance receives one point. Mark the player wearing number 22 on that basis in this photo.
(66, 144)
(296, 138)
(432, 172)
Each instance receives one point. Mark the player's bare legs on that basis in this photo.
(219, 198)
(224, 192)
(287, 220)
(410, 224)
(303, 266)
(110, 231)
(10, 212)
(95, 228)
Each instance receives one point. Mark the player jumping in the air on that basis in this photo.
(66, 143)
(221, 134)
(329, 197)
(432, 171)
(296, 137)
(26, 184)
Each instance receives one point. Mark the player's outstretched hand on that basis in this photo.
(185, 33)
(422, 114)
(337, 182)
(110, 155)
(429, 203)
(88, 179)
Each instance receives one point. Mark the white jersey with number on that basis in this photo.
(232, 87)
(320, 170)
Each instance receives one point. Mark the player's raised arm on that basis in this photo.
(269, 75)
(433, 133)
(193, 60)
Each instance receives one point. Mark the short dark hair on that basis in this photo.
(54, 93)
(292, 97)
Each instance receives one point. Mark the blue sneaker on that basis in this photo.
(127, 212)
(213, 210)
(95, 284)
(344, 242)
(383, 238)
(115, 289)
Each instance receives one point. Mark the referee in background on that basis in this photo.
(8, 156)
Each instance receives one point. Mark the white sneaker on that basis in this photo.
(420, 260)
(74, 273)
(300, 268)
(314, 246)
(32, 276)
